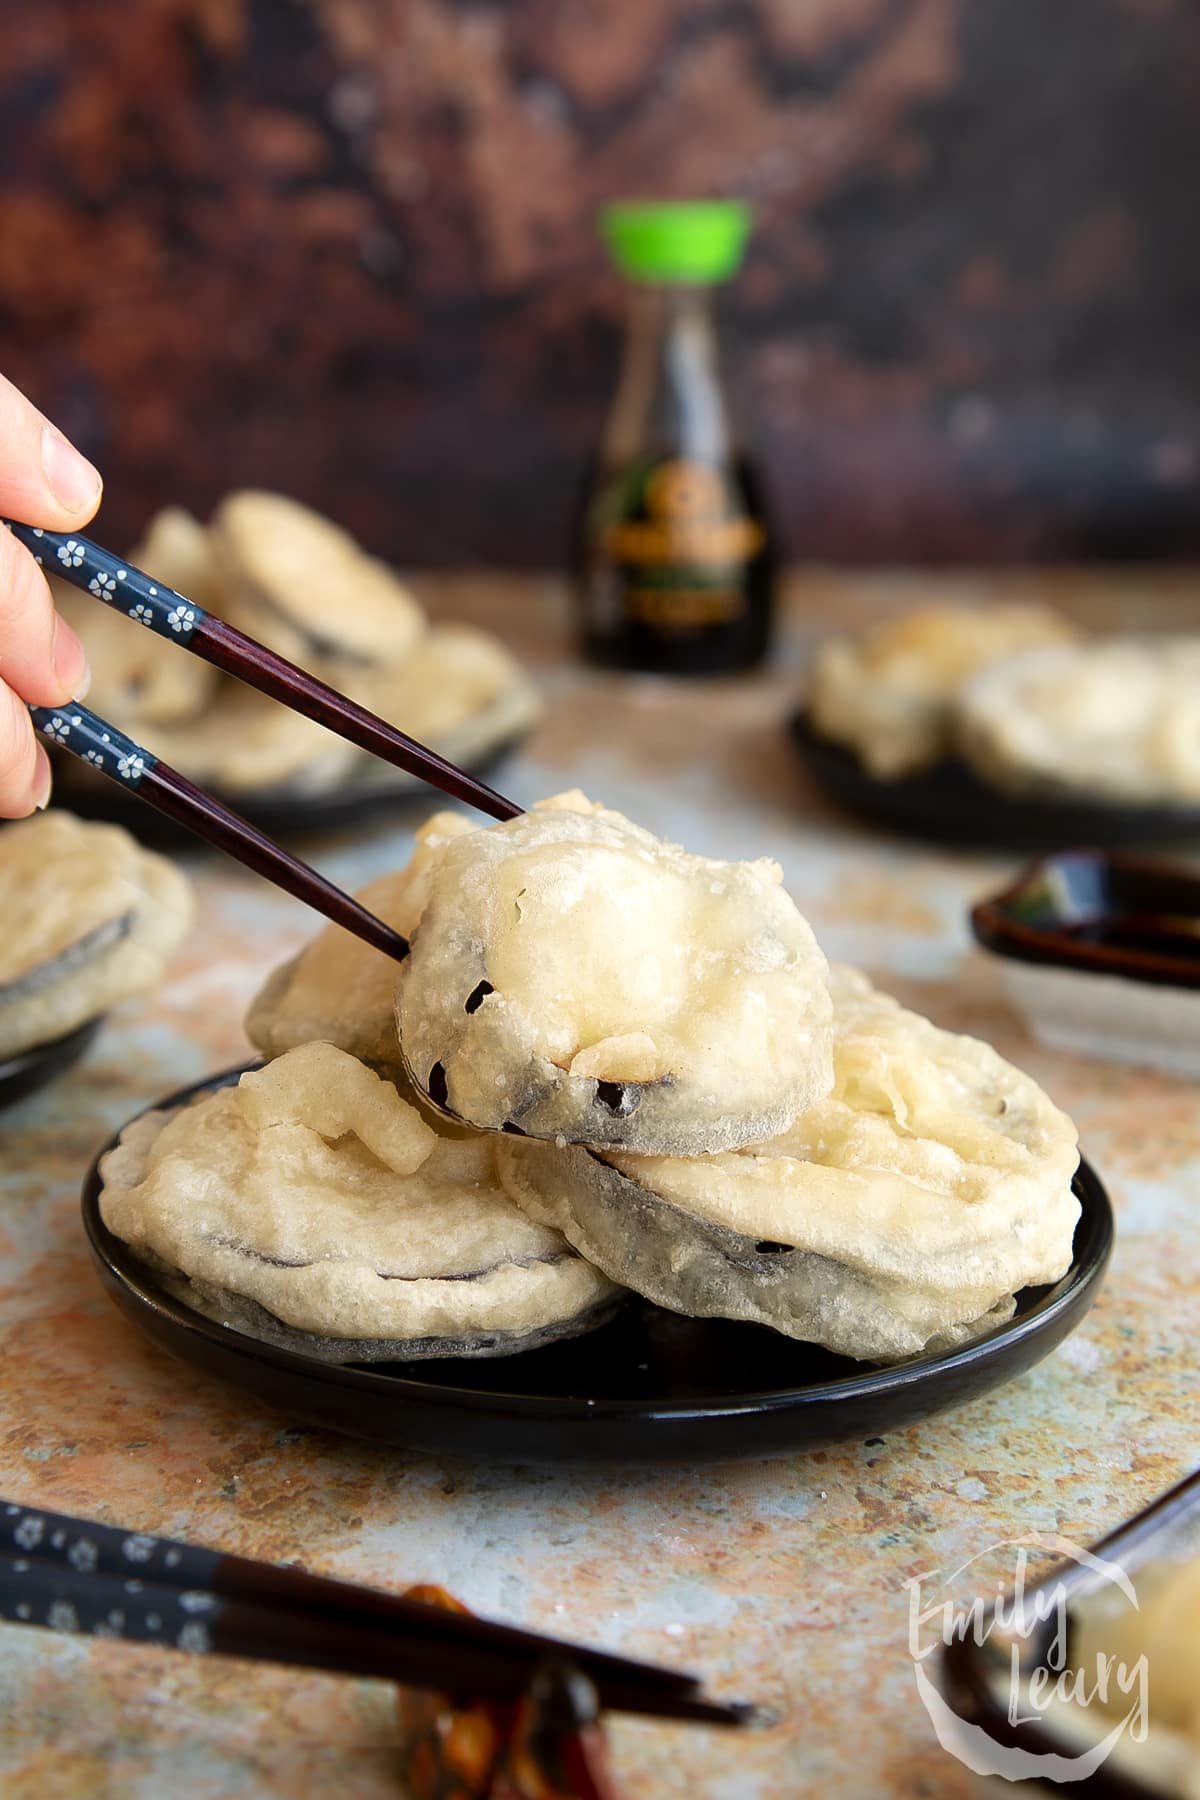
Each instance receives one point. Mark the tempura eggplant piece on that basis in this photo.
(898, 1215)
(574, 978)
(311, 1206)
(89, 919)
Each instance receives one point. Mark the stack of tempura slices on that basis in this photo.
(644, 1056)
(316, 1208)
(891, 693)
(1035, 709)
(301, 585)
(90, 919)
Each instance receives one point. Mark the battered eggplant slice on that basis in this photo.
(1117, 719)
(575, 978)
(299, 584)
(1162, 1626)
(89, 919)
(900, 1214)
(311, 1206)
(343, 990)
(302, 585)
(247, 742)
(459, 690)
(889, 693)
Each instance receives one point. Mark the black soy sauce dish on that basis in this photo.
(32, 1069)
(648, 1387)
(1101, 952)
(949, 804)
(976, 1674)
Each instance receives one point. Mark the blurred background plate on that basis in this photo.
(949, 804)
(649, 1387)
(32, 1069)
(279, 812)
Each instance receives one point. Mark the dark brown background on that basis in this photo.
(344, 248)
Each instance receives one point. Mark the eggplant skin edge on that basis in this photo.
(71, 960)
(702, 1270)
(239, 1313)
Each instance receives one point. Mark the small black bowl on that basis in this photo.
(949, 804)
(977, 1666)
(1099, 913)
(33, 1069)
(1100, 950)
(649, 1387)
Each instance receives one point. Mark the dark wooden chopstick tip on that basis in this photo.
(171, 793)
(745, 1712)
(231, 650)
(688, 1710)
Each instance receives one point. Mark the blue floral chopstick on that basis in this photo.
(83, 733)
(79, 1576)
(89, 1547)
(126, 589)
(172, 615)
(93, 741)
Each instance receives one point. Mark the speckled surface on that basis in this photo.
(782, 1582)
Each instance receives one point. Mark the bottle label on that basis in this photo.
(677, 557)
(687, 521)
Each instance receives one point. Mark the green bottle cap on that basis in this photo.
(676, 240)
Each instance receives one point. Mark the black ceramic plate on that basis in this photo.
(950, 804)
(649, 1387)
(24, 1074)
(277, 812)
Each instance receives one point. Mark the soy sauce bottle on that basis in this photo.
(674, 566)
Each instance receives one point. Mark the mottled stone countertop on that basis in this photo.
(783, 1581)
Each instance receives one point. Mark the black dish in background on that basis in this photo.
(278, 812)
(950, 804)
(1099, 912)
(32, 1069)
(649, 1387)
(968, 1674)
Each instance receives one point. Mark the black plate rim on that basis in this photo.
(32, 1069)
(279, 812)
(117, 1262)
(979, 814)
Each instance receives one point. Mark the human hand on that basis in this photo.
(43, 481)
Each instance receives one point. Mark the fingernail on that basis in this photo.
(73, 481)
(39, 793)
(70, 660)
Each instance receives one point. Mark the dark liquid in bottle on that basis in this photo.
(675, 567)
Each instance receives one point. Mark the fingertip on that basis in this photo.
(24, 764)
(43, 780)
(69, 660)
(71, 478)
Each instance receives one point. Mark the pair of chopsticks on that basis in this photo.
(72, 1575)
(171, 615)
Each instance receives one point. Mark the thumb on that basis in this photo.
(43, 478)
